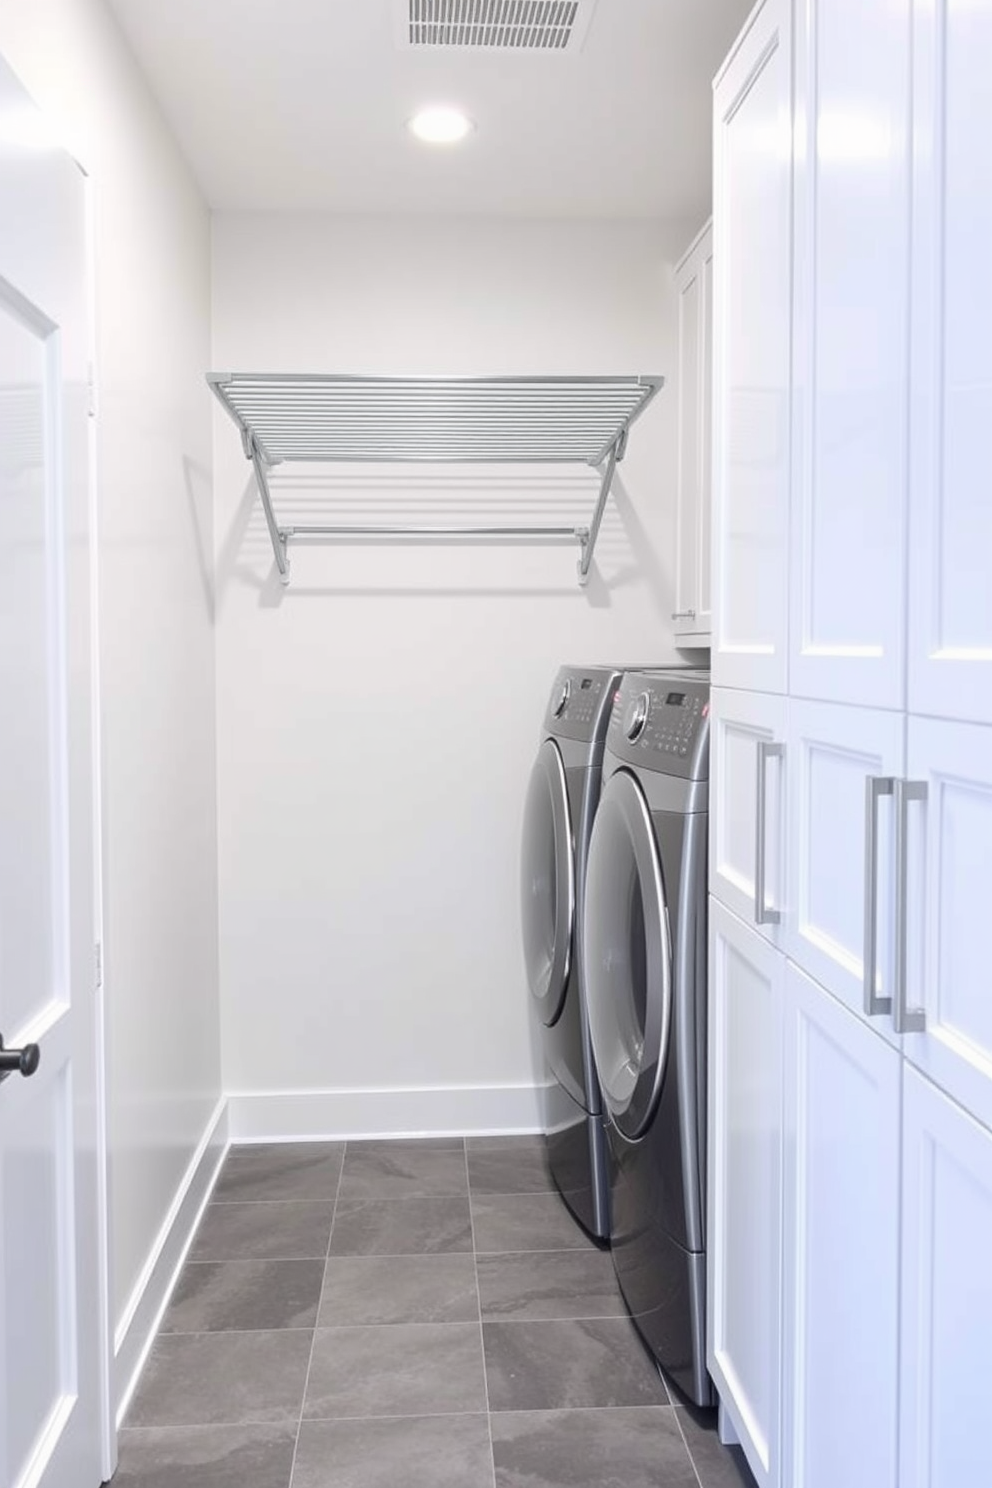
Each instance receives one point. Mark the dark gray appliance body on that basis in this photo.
(561, 803)
(644, 953)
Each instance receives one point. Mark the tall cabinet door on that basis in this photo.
(752, 211)
(850, 411)
(950, 635)
(841, 850)
(948, 851)
(744, 1209)
(945, 1440)
(841, 1227)
(747, 806)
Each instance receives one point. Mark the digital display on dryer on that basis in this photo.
(675, 699)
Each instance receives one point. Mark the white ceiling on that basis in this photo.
(300, 105)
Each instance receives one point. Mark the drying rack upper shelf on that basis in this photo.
(471, 420)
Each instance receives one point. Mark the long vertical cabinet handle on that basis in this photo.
(876, 786)
(763, 913)
(905, 1019)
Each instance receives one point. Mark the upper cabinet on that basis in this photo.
(950, 612)
(694, 287)
(850, 352)
(752, 306)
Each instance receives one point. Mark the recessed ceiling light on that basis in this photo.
(441, 125)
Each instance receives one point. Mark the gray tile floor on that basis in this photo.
(411, 1314)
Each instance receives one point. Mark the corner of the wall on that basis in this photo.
(142, 1314)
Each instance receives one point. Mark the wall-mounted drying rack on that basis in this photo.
(471, 420)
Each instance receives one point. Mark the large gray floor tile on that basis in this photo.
(541, 1285)
(513, 1165)
(525, 1222)
(217, 1296)
(304, 1171)
(366, 1290)
(263, 1232)
(429, 1452)
(401, 1170)
(222, 1378)
(401, 1227)
(398, 1371)
(638, 1448)
(207, 1457)
(568, 1365)
(718, 1466)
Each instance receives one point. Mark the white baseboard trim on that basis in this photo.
(438, 1111)
(142, 1314)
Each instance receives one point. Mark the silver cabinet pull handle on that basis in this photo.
(904, 1019)
(763, 913)
(683, 614)
(876, 786)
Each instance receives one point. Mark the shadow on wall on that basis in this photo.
(198, 483)
(564, 498)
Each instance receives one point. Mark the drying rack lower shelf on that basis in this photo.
(287, 417)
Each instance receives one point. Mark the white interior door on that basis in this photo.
(50, 1338)
(832, 753)
(949, 860)
(744, 1186)
(950, 635)
(945, 1441)
(747, 806)
(752, 292)
(841, 1251)
(851, 344)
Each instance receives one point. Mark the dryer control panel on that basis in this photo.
(660, 721)
(579, 698)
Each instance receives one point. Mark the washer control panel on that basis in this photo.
(578, 699)
(660, 720)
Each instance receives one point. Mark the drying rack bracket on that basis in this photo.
(482, 420)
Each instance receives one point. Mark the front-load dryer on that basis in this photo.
(644, 958)
(561, 803)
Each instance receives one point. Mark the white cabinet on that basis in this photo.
(834, 828)
(944, 1376)
(950, 615)
(841, 1247)
(850, 351)
(694, 289)
(747, 805)
(752, 229)
(948, 853)
(745, 1185)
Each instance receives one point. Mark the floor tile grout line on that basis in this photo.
(685, 1443)
(313, 1340)
(482, 1331)
(574, 1410)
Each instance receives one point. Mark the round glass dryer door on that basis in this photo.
(547, 883)
(627, 956)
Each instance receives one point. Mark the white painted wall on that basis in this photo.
(156, 611)
(378, 720)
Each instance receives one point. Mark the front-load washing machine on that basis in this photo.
(644, 959)
(561, 803)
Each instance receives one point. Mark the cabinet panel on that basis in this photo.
(745, 1185)
(950, 671)
(841, 1228)
(946, 1293)
(832, 751)
(690, 427)
(740, 722)
(752, 211)
(850, 404)
(949, 847)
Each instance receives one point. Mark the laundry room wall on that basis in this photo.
(152, 257)
(377, 721)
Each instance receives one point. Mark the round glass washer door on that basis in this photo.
(547, 883)
(627, 956)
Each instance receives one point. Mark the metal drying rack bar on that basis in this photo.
(470, 420)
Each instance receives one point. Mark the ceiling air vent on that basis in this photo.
(493, 25)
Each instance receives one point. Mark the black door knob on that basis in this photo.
(19, 1061)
